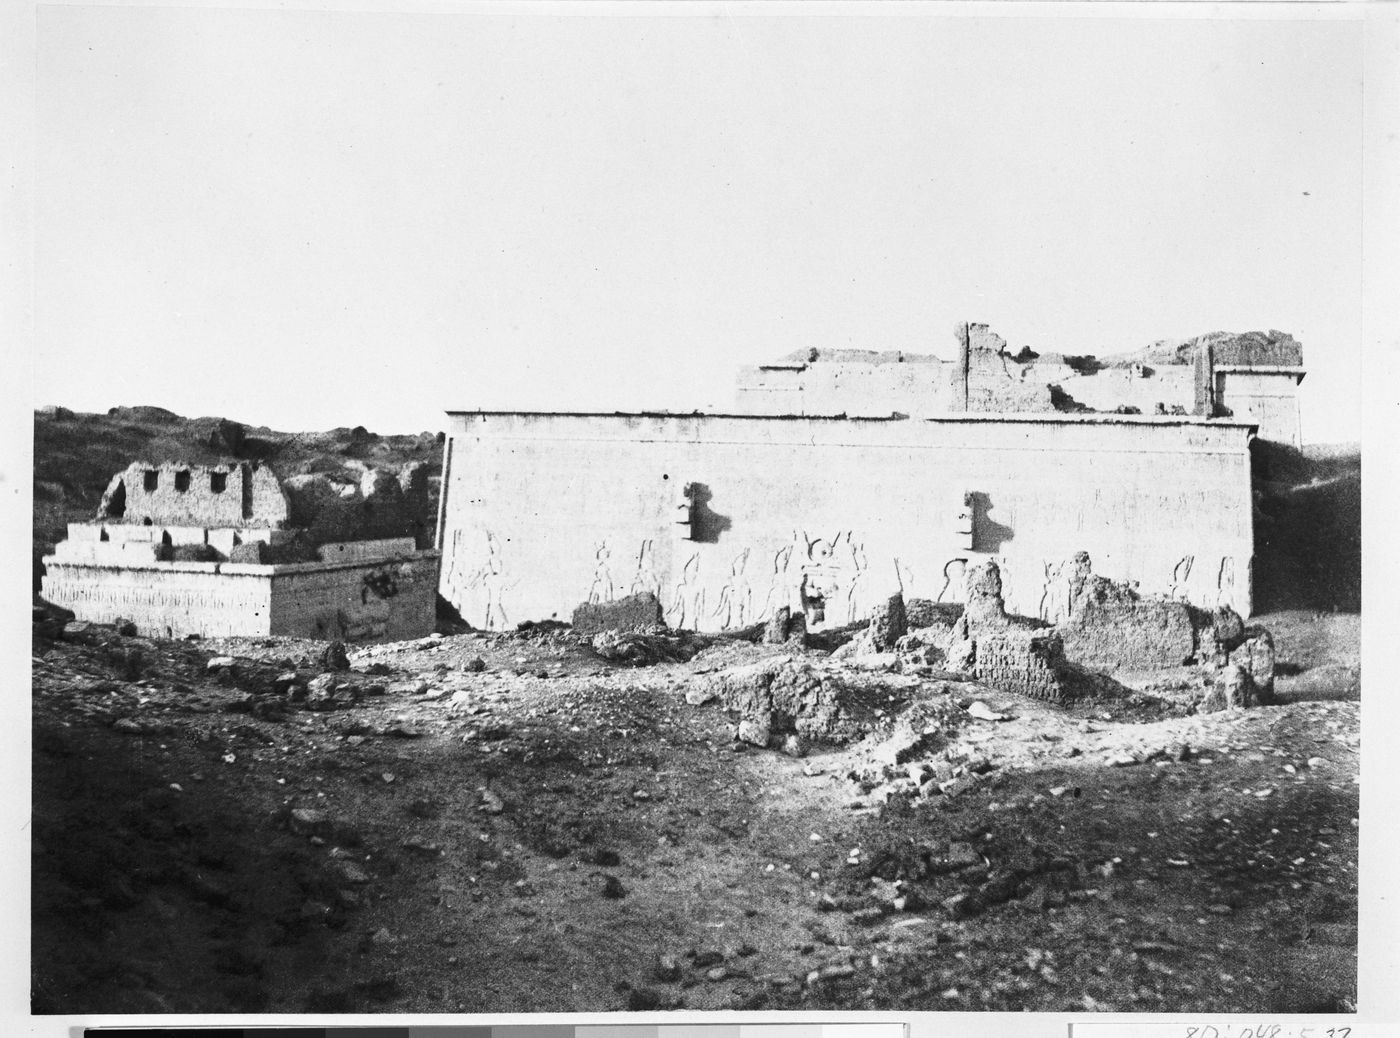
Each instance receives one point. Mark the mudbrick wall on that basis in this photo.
(173, 494)
(1029, 663)
(728, 518)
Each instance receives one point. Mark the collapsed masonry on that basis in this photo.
(229, 549)
(1252, 375)
(1108, 627)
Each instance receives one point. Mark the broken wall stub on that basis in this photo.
(639, 612)
(1255, 654)
(1027, 662)
(1108, 626)
(241, 494)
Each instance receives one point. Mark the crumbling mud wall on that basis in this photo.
(1253, 375)
(235, 495)
(1108, 626)
(1027, 662)
(988, 379)
(639, 612)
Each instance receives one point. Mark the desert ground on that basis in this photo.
(505, 822)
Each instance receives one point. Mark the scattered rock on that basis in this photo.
(334, 657)
(756, 730)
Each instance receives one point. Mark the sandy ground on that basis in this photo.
(554, 833)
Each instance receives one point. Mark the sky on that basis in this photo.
(309, 219)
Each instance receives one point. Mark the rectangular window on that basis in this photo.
(150, 480)
(182, 480)
(218, 482)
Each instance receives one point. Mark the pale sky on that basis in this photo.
(311, 219)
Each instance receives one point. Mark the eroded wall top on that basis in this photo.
(240, 494)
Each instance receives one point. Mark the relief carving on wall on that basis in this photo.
(476, 578)
(601, 589)
(736, 597)
(688, 598)
(1181, 577)
(953, 572)
(645, 578)
(1225, 582)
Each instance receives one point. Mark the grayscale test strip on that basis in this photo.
(802, 1030)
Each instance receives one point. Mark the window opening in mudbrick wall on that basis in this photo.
(150, 480)
(182, 480)
(218, 482)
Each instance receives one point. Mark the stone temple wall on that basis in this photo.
(727, 519)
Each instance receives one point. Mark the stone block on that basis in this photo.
(186, 534)
(356, 551)
(222, 540)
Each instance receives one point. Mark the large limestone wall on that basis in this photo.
(543, 512)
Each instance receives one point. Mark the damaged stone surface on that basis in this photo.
(1107, 625)
(782, 695)
(639, 612)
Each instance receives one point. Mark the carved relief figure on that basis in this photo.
(1181, 574)
(781, 588)
(1225, 582)
(736, 595)
(646, 578)
(490, 577)
(855, 574)
(953, 571)
(820, 583)
(1046, 584)
(602, 589)
(689, 599)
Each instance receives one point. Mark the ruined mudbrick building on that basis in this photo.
(179, 550)
(842, 477)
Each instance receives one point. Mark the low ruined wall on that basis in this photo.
(1028, 663)
(542, 512)
(366, 601)
(1142, 635)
